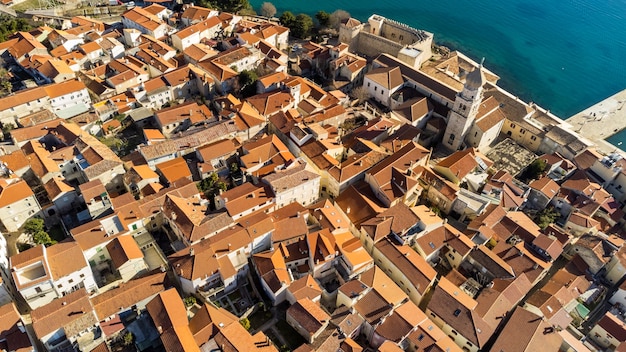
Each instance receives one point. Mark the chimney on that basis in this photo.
(160, 329)
(348, 210)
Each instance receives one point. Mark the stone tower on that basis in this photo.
(465, 109)
(349, 32)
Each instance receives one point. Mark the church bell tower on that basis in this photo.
(465, 109)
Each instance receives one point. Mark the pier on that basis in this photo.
(601, 121)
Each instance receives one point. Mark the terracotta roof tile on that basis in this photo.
(174, 169)
(128, 294)
(13, 192)
(387, 77)
(526, 331)
(62, 312)
(409, 263)
(309, 315)
(122, 249)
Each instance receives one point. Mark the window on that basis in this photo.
(38, 289)
(451, 139)
(382, 91)
(533, 138)
(70, 281)
(475, 134)
(82, 276)
(375, 88)
(368, 84)
(457, 312)
(59, 286)
(512, 125)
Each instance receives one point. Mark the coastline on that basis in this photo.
(536, 62)
(602, 121)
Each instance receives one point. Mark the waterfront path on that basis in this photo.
(602, 120)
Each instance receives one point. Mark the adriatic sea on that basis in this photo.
(564, 55)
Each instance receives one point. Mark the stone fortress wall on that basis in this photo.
(371, 45)
(382, 35)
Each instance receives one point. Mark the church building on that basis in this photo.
(473, 121)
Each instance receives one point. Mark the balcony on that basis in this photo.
(211, 290)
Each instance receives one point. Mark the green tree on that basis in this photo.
(35, 228)
(323, 18)
(287, 19)
(247, 83)
(128, 338)
(268, 9)
(42, 237)
(211, 186)
(302, 26)
(546, 217)
(206, 185)
(534, 170)
(5, 82)
(10, 25)
(233, 6)
(221, 186)
(189, 301)
(33, 225)
(245, 322)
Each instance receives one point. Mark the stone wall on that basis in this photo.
(372, 45)
(403, 34)
(349, 35)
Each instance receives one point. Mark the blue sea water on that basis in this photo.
(564, 55)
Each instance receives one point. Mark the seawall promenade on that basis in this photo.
(601, 121)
